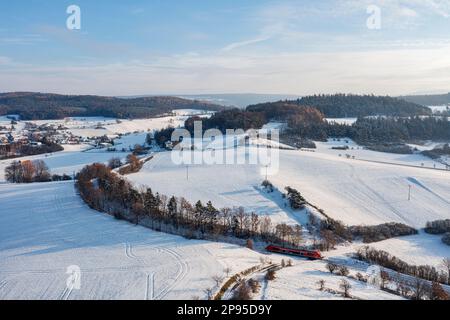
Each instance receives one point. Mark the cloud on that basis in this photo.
(26, 39)
(377, 71)
(240, 44)
(5, 60)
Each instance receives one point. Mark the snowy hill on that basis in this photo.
(45, 228)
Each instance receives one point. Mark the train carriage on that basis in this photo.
(310, 254)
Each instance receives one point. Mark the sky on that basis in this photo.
(139, 47)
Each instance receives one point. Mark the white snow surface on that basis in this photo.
(46, 228)
(351, 190)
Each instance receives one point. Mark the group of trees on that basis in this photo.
(229, 119)
(162, 136)
(380, 119)
(133, 165)
(37, 106)
(296, 200)
(105, 191)
(377, 130)
(27, 171)
(440, 227)
(389, 261)
(381, 232)
(350, 105)
(333, 231)
(438, 151)
(15, 150)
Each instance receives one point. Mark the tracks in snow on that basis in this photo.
(183, 269)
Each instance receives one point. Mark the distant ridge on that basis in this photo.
(239, 100)
(429, 100)
(35, 105)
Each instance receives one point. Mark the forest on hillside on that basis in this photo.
(308, 122)
(348, 105)
(40, 106)
(429, 100)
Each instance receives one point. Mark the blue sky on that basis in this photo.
(208, 46)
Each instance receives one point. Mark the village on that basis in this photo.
(23, 138)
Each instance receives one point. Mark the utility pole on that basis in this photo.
(266, 172)
(187, 172)
(409, 192)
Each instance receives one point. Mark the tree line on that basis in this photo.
(105, 191)
(389, 261)
(15, 150)
(28, 171)
(43, 106)
(389, 120)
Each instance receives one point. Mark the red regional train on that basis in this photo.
(310, 254)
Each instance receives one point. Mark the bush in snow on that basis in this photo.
(254, 285)
(270, 275)
(331, 267)
(343, 271)
(296, 201)
(242, 293)
(268, 186)
(114, 163)
(381, 232)
(438, 293)
(345, 287)
(438, 226)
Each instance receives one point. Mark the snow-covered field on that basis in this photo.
(352, 190)
(360, 192)
(301, 282)
(69, 161)
(361, 153)
(347, 121)
(439, 108)
(421, 249)
(46, 228)
(224, 185)
(99, 126)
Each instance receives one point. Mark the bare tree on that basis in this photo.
(343, 271)
(403, 289)
(345, 287)
(227, 271)
(321, 284)
(331, 267)
(249, 244)
(438, 293)
(419, 289)
(41, 171)
(270, 275)
(385, 279)
(218, 280)
(114, 163)
(446, 265)
(242, 292)
(254, 285)
(360, 277)
(209, 293)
